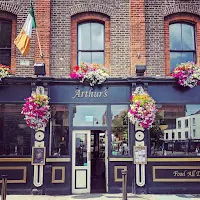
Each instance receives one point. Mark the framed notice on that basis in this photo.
(140, 155)
(38, 155)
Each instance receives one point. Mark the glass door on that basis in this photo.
(81, 161)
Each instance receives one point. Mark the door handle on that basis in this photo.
(89, 156)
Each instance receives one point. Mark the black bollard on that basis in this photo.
(4, 187)
(124, 184)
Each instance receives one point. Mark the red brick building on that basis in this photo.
(120, 34)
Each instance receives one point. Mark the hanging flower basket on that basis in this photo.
(92, 73)
(4, 71)
(142, 109)
(187, 74)
(36, 111)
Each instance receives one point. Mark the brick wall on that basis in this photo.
(155, 12)
(186, 17)
(89, 16)
(128, 24)
(138, 40)
(20, 10)
(116, 10)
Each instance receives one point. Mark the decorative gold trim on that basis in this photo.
(116, 168)
(173, 179)
(54, 180)
(121, 159)
(173, 159)
(15, 159)
(24, 168)
(58, 159)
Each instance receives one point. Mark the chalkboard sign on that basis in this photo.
(38, 155)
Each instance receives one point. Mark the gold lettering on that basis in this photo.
(77, 94)
(177, 173)
(197, 173)
(105, 93)
(90, 94)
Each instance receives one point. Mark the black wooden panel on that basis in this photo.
(14, 93)
(168, 93)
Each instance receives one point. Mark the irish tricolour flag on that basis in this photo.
(23, 39)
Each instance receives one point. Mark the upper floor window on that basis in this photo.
(193, 121)
(182, 43)
(5, 42)
(90, 43)
(179, 124)
(186, 123)
(186, 134)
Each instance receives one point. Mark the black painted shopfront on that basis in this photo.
(89, 139)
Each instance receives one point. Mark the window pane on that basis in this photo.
(5, 57)
(15, 135)
(98, 57)
(90, 115)
(97, 36)
(187, 56)
(81, 149)
(175, 58)
(168, 138)
(188, 37)
(119, 130)
(175, 37)
(5, 34)
(84, 57)
(84, 37)
(60, 130)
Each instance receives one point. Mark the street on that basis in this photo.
(104, 197)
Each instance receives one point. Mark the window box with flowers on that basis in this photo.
(187, 74)
(91, 73)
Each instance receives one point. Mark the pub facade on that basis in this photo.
(89, 140)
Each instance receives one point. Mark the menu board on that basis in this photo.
(140, 155)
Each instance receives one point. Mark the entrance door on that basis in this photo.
(81, 159)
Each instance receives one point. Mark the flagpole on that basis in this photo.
(41, 54)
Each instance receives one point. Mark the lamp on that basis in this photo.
(140, 69)
(39, 69)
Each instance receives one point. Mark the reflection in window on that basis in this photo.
(5, 42)
(15, 135)
(193, 121)
(60, 130)
(81, 149)
(186, 123)
(91, 43)
(168, 138)
(179, 124)
(194, 133)
(90, 115)
(182, 43)
(186, 134)
(119, 130)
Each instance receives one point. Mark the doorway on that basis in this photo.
(89, 161)
(98, 172)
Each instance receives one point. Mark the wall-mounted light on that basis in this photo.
(39, 69)
(140, 69)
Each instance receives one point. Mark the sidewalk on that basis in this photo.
(104, 197)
